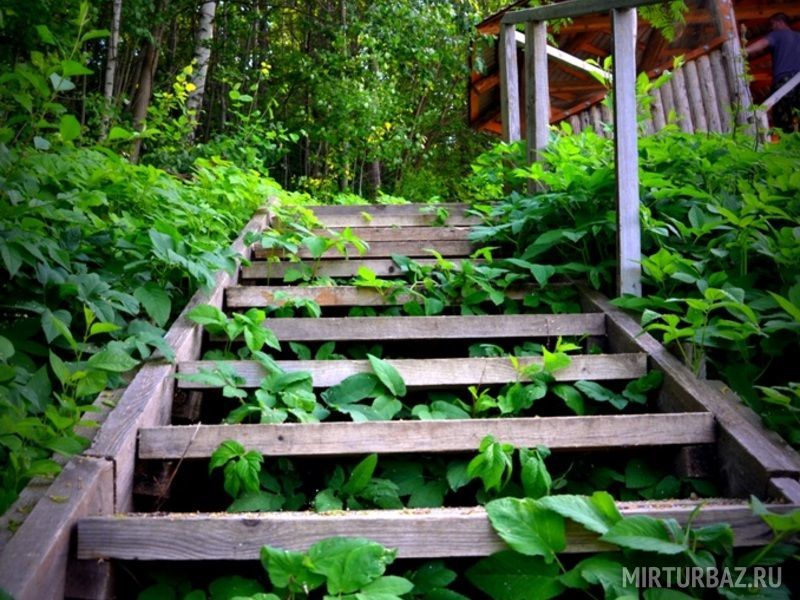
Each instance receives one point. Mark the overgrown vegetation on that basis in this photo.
(721, 249)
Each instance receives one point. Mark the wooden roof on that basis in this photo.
(573, 90)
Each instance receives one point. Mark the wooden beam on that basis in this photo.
(379, 249)
(509, 84)
(537, 91)
(356, 210)
(629, 253)
(570, 9)
(724, 17)
(394, 437)
(565, 57)
(695, 93)
(778, 95)
(750, 454)
(679, 93)
(432, 372)
(382, 267)
(722, 89)
(415, 533)
(298, 329)
(33, 563)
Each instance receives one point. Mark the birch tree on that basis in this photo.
(202, 56)
(111, 64)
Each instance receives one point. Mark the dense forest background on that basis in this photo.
(329, 96)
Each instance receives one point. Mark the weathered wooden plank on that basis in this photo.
(786, 489)
(383, 267)
(438, 327)
(34, 562)
(750, 454)
(326, 210)
(393, 437)
(434, 372)
(340, 295)
(509, 84)
(569, 9)
(147, 401)
(537, 90)
(415, 533)
(657, 110)
(404, 234)
(708, 94)
(722, 89)
(247, 296)
(695, 93)
(421, 219)
(386, 249)
(629, 243)
(678, 83)
(667, 102)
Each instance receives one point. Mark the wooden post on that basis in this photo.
(629, 253)
(695, 93)
(725, 20)
(658, 111)
(681, 99)
(723, 90)
(537, 89)
(708, 94)
(509, 84)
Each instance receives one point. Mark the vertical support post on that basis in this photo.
(509, 83)
(725, 21)
(537, 89)
(629, 243)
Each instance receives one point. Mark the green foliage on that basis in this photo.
(719, 242)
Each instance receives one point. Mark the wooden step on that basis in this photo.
(382, 267)
(433, 372)
(326, 210)
(457, 435)
(413, 248)
(297, 329)
(415, 533)
(404, 234)
(247, 296)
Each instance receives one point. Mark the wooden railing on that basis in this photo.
(537, 107)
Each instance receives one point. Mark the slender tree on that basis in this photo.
(111, 65)
(202, 56)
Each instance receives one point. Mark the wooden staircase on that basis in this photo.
(693, 418)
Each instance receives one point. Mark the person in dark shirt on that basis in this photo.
(784, 44)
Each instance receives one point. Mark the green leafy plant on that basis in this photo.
(249, 325)
(384, 386)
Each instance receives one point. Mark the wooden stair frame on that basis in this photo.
(99, 484)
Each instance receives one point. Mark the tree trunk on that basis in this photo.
(111, 66)
(202, 56)
(147, 72)
(374, 178)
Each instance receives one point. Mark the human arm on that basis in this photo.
(757, 47)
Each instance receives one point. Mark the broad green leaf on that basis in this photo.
(361, 475)
(597, 513)
(113, 359)
(640, 532)
(156, 302)
(6, 348)
(508, 575)
(571, 397)
(69, 127)
(230, 587)
(527, 527)
(351, 389)
(388, 376)
(288, 570)
(388, 585)
(349, 563)
(597, 392)
(536, 480)
(327, 500)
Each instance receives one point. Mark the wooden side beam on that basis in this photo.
(433, 372)
(537, 90)
(751, 455)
